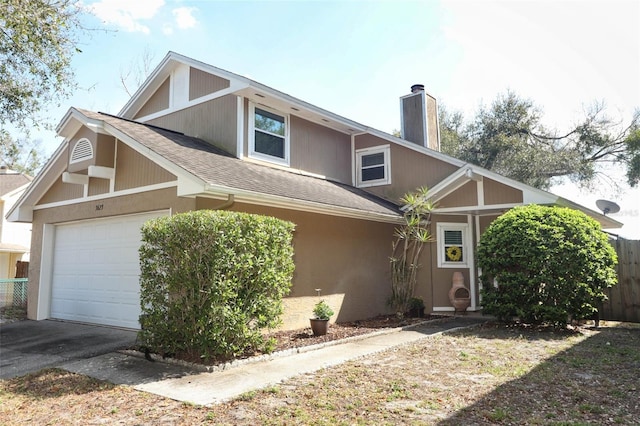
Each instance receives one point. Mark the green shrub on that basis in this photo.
(210, 281)
(322, 310)
(550, 264)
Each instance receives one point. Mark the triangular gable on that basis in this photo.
(495, 193)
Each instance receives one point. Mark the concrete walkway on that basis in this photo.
(219, 386)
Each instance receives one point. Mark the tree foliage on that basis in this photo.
(20, 155)
(211, 281)
(37, 42)
(407, 246)
(545, 265)
(509, 138)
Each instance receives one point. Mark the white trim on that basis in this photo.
(75, 178)
(478, 269)
(467, 247)
(240, 128)
(452, 309)
(112, 183)
(252, 135)
(480, 189)
(443, 309)
(381, 149)
(465, 209)
(101, 172)
(125, 192)
(471, 262)
(43, 310)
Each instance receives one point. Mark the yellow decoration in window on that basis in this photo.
(454, 253)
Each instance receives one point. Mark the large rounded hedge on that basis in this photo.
(545, 265)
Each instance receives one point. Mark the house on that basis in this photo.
(15, 238)
(198, 137)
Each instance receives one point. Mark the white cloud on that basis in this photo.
(167, 29)
(126, 14)
(184, 17)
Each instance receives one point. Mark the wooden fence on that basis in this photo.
(624, 298)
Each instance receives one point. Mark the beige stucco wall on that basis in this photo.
(346, 258)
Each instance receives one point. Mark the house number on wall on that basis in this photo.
(99, 206)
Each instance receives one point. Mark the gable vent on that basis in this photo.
(83, 150)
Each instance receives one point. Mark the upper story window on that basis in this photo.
(268, 135)
(373, 166)
(82, 150)
(453, 245)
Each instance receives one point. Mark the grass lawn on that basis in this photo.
(489, 375)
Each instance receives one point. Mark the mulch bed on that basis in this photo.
(338, 331)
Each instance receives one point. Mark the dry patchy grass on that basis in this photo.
(487, 375)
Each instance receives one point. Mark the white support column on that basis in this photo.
(43, 310)
(471, 260)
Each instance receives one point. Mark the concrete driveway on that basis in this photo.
(28, 346)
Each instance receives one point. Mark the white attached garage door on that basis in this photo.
(96, 269)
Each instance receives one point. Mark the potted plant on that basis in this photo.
(320, 322)
(416, 307)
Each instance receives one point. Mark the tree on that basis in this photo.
(37, 41)
(509, 138)
(19, 155)
(545, 265)
(410, 238)
(135, 74)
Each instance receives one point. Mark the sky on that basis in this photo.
(356, 58)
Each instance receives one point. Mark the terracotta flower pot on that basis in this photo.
(320, 327)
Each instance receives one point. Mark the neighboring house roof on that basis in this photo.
(10, 181)
(210, 170)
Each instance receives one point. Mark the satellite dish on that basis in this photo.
(607, 206)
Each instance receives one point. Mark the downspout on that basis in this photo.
(231, 199)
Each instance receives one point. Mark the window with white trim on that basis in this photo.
(453, 245)
(268, 135)
(372, 166)
(82, 150)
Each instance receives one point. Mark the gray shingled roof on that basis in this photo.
(217, 167)
(10, 180)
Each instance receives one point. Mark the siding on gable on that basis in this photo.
(60, 191)
(159, 101)
(409, 169)
(499, 193)
(213, 121)
(105, 151)
(134, 170)
(318, 149)
(202, 83)
(466, 195)
(98, 186)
